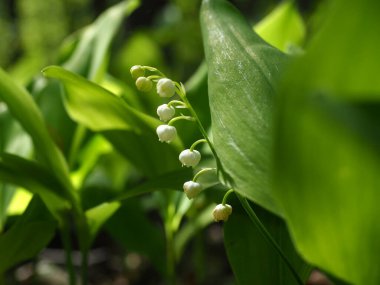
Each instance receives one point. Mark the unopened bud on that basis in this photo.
(137, 71)
(144, 84)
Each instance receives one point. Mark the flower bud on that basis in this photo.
(222, 212)
(189, 158)
(165, 113)
(137, 71)
(144, 84)
(165, 87)
(166, 133)
(192, 189)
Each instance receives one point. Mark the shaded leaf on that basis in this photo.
(31, 233)
(327, 145)
(253, 259)
(242, 71)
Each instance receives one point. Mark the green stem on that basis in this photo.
(225, 197)
(182, 94)
(80, 133)
(66, 240)
(196, 143)
(170, 253)
(153, 69)
(188, 118)
(256, 221)
(204, 170)
(177, 102)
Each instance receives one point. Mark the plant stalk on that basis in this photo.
(256, 221)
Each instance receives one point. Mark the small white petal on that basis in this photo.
(192, 189)
(166, 133)
(222, 212)
(165, 88)
(165, 113)
(189, 158)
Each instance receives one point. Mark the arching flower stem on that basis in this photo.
(201, 172)
(176, 104)
(196, 143)
(228, 193)
(188, 118)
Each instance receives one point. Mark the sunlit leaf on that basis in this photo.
(242, 71)
(23, 108)
(97, 216)
(35, 178)
(129, 130)
(283, 26)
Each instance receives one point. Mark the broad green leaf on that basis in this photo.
(96, 39)
(21, 105)
(327, 160)
(130, 131)
(242, 71)
(283, 27)
(35, 178)
(28, 236)
(252, 258)
(97, 216)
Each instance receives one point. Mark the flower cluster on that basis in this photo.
(166, 88)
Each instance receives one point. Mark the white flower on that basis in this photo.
(192, 189)
(144, 84)
(165, 87)
(166, 133)
(137, 71)
(189, 158)
(165, 113)
(222, 212)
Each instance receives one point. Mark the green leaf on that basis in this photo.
(96, 39)
(35, 178)
(132, 132)
(327, 159)
(24, 109)
(97, 216)
(283, 27)
(242, 72)
(31, 233)
(252, 258)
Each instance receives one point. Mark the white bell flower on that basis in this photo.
(189, 158)
(166, 133)
(192, 189)
(165, 87)
(165, 113)
(222, 212)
